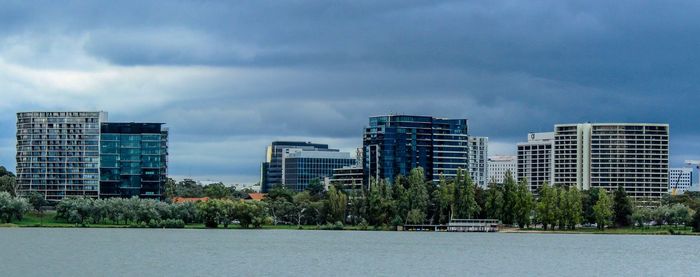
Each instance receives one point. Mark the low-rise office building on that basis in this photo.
(499, 165)
(300, 167)
(680, 180)
(349, 178)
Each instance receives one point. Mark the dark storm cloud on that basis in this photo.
(253, 71)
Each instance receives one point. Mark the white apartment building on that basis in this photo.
(478, 159)
(499, 165)
(535, 160)
(608, 155)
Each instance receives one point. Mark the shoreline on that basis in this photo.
(658, 231)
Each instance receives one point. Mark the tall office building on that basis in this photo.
(478, 160)
(133, 160)
(395, 144)
(299, 166)
(58, 153)
(536, 160)
(499, 165)
(271, 169)
(680, 180)
(608, 155)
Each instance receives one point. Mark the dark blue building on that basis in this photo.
(395, 144)
(133, 160)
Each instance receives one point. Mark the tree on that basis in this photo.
(4, 172)
(316, 188)
(417, 192)
(278, 192)
(251, 214)
(217, 191)
(12, 208)
(401, 204)
(465, 196)
(494, 201)
(547, 208)
(575, 212)
(696, 222)
(377, 203)
(589, 199)
(603, 210)
(416, 216)
(337, 204)
(302, 202)
(185, 188)
(37, 201)
(210, 212)
(509, 199)
(680, 214)
(170, 188)
(358, 206)
(641, 216)
(445, 200)
(8, 183)
(622, 208)
(524, 203)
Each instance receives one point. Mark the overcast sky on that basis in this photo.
(228, 77)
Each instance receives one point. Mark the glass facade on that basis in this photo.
(396, 144)
(58, 153)
(133, 160)
(300, 167)
(271, 169)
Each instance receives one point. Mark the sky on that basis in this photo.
(229, 77)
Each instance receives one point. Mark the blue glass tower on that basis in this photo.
(133, 160)
(395, 144)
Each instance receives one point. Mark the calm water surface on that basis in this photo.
(139, 252)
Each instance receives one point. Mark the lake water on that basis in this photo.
(139, 252)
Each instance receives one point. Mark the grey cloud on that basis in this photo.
(244, 73)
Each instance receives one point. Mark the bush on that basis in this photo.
(696, 222)
(328, 226)
(363, 225)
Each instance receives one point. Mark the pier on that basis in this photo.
(457, 225)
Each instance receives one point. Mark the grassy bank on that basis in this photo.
(33, 220)
(650, 230)
(48, 220)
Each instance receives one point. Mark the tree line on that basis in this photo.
(415, 200)
(408, 200)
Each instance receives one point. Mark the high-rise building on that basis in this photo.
(271, 169)
(58, 153)
(395, 144)
(608, 155)
(499, 165)
(133, 160)
(535, 160)
(478, 160)
(680, 180)
(299, 166)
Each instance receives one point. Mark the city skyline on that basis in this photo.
(228, 83)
